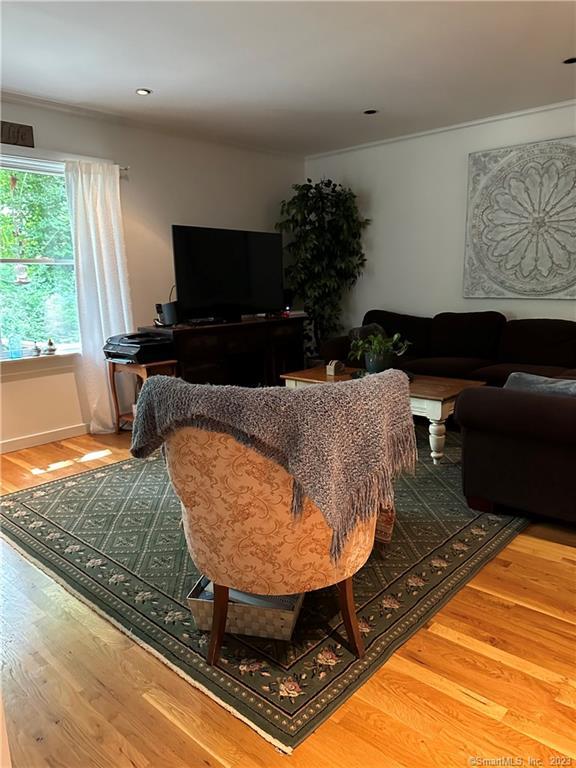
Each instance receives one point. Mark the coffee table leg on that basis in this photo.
(437, 436)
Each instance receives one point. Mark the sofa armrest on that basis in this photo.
(516, 413)
(337, 348)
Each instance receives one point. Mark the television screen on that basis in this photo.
(226, 272)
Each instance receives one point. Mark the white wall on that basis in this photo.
(40, 402)
(172, 180)
(414, 190)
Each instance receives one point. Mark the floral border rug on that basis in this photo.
(113, 536)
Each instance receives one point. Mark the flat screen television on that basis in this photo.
(226, 272)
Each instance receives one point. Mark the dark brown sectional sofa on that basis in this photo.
(518, 448)
(518, 451)
(475, 345)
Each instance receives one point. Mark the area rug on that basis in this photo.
(112, 536)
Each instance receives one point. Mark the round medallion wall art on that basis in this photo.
(521, 230)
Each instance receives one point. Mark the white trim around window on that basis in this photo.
(45, 155)
(21, 163)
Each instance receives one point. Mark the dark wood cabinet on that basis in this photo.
(249, 353)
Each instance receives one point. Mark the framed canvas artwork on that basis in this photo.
(521, 223)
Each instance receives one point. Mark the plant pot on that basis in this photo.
(376, 363)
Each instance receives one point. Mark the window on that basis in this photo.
(37, 277)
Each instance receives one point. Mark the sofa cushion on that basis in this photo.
(543, 385)
(337, 348)
(415, 329)
(466, 334)
(497, 374)
(451, 367)
(539, 342)
(569, 373)
(363, 331)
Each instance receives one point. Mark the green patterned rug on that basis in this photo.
(113, 536)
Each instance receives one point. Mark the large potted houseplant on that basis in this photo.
(378, 350)
(324, 248)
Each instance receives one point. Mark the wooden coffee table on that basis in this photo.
(431, 396)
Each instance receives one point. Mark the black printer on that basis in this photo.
(146, 347)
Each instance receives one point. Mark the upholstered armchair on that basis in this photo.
(241, 533)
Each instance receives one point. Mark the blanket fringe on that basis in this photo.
(376, 493)
(298, 497)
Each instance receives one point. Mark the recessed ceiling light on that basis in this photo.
(571, 60)
(370, 111)
(143, 91)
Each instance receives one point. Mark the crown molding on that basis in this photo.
(22, 99)
(446, 129)
(12, 97)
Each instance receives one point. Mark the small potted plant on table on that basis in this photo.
(378, 350)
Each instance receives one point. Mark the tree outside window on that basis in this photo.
(37, 276)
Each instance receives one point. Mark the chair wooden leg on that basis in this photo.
(218, 623)
(348, 610)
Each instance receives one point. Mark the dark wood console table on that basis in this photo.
(248, 353)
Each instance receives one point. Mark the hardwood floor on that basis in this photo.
(491, 676)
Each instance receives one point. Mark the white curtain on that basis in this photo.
(104, 307)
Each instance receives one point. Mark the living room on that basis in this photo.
(453, 645)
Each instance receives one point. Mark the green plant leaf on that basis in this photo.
(324, 230)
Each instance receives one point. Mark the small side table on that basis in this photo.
(143, 371)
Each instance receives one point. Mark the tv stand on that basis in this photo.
(196, 321)
(251, 352)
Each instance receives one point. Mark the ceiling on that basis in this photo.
(293, 76)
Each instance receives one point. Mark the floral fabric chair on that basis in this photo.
(236, 508)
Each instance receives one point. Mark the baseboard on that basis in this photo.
(39, 438)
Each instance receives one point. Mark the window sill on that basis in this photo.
(20, 368)
(36, 358)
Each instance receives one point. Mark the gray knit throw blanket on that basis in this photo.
(343, 443)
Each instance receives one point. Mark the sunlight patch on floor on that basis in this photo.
(59, 465)
(55, 466)
(94, 455)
